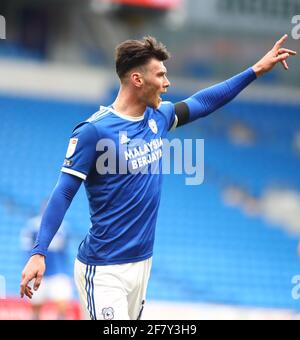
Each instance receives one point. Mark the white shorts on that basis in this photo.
(114, 292)
(53, 288)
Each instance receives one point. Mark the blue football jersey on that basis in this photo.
(120, 160)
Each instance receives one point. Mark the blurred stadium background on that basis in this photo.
(226, 249)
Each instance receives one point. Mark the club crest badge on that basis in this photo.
(108, 313)
(153, 126)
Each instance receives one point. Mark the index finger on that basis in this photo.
(280, 42)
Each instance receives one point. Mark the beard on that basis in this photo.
(153, 100)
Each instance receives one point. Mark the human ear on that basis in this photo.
(137, 79)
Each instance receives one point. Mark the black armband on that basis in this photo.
(183, 113)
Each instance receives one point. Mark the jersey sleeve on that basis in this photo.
(168, 110)
(81, 153)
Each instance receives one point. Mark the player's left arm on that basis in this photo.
(209, 100)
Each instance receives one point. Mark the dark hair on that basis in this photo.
(135, 53)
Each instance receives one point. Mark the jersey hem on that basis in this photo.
(113, 262)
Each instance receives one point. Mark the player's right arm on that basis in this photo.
(79, 161)
(59, 202)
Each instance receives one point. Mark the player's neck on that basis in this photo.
(128, 104)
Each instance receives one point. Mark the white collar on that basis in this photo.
(126, 117)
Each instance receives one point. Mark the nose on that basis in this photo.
(167, 83)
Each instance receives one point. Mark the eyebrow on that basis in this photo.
(162, 72)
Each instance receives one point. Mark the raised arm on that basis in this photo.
(209, 100)
(59, 202)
